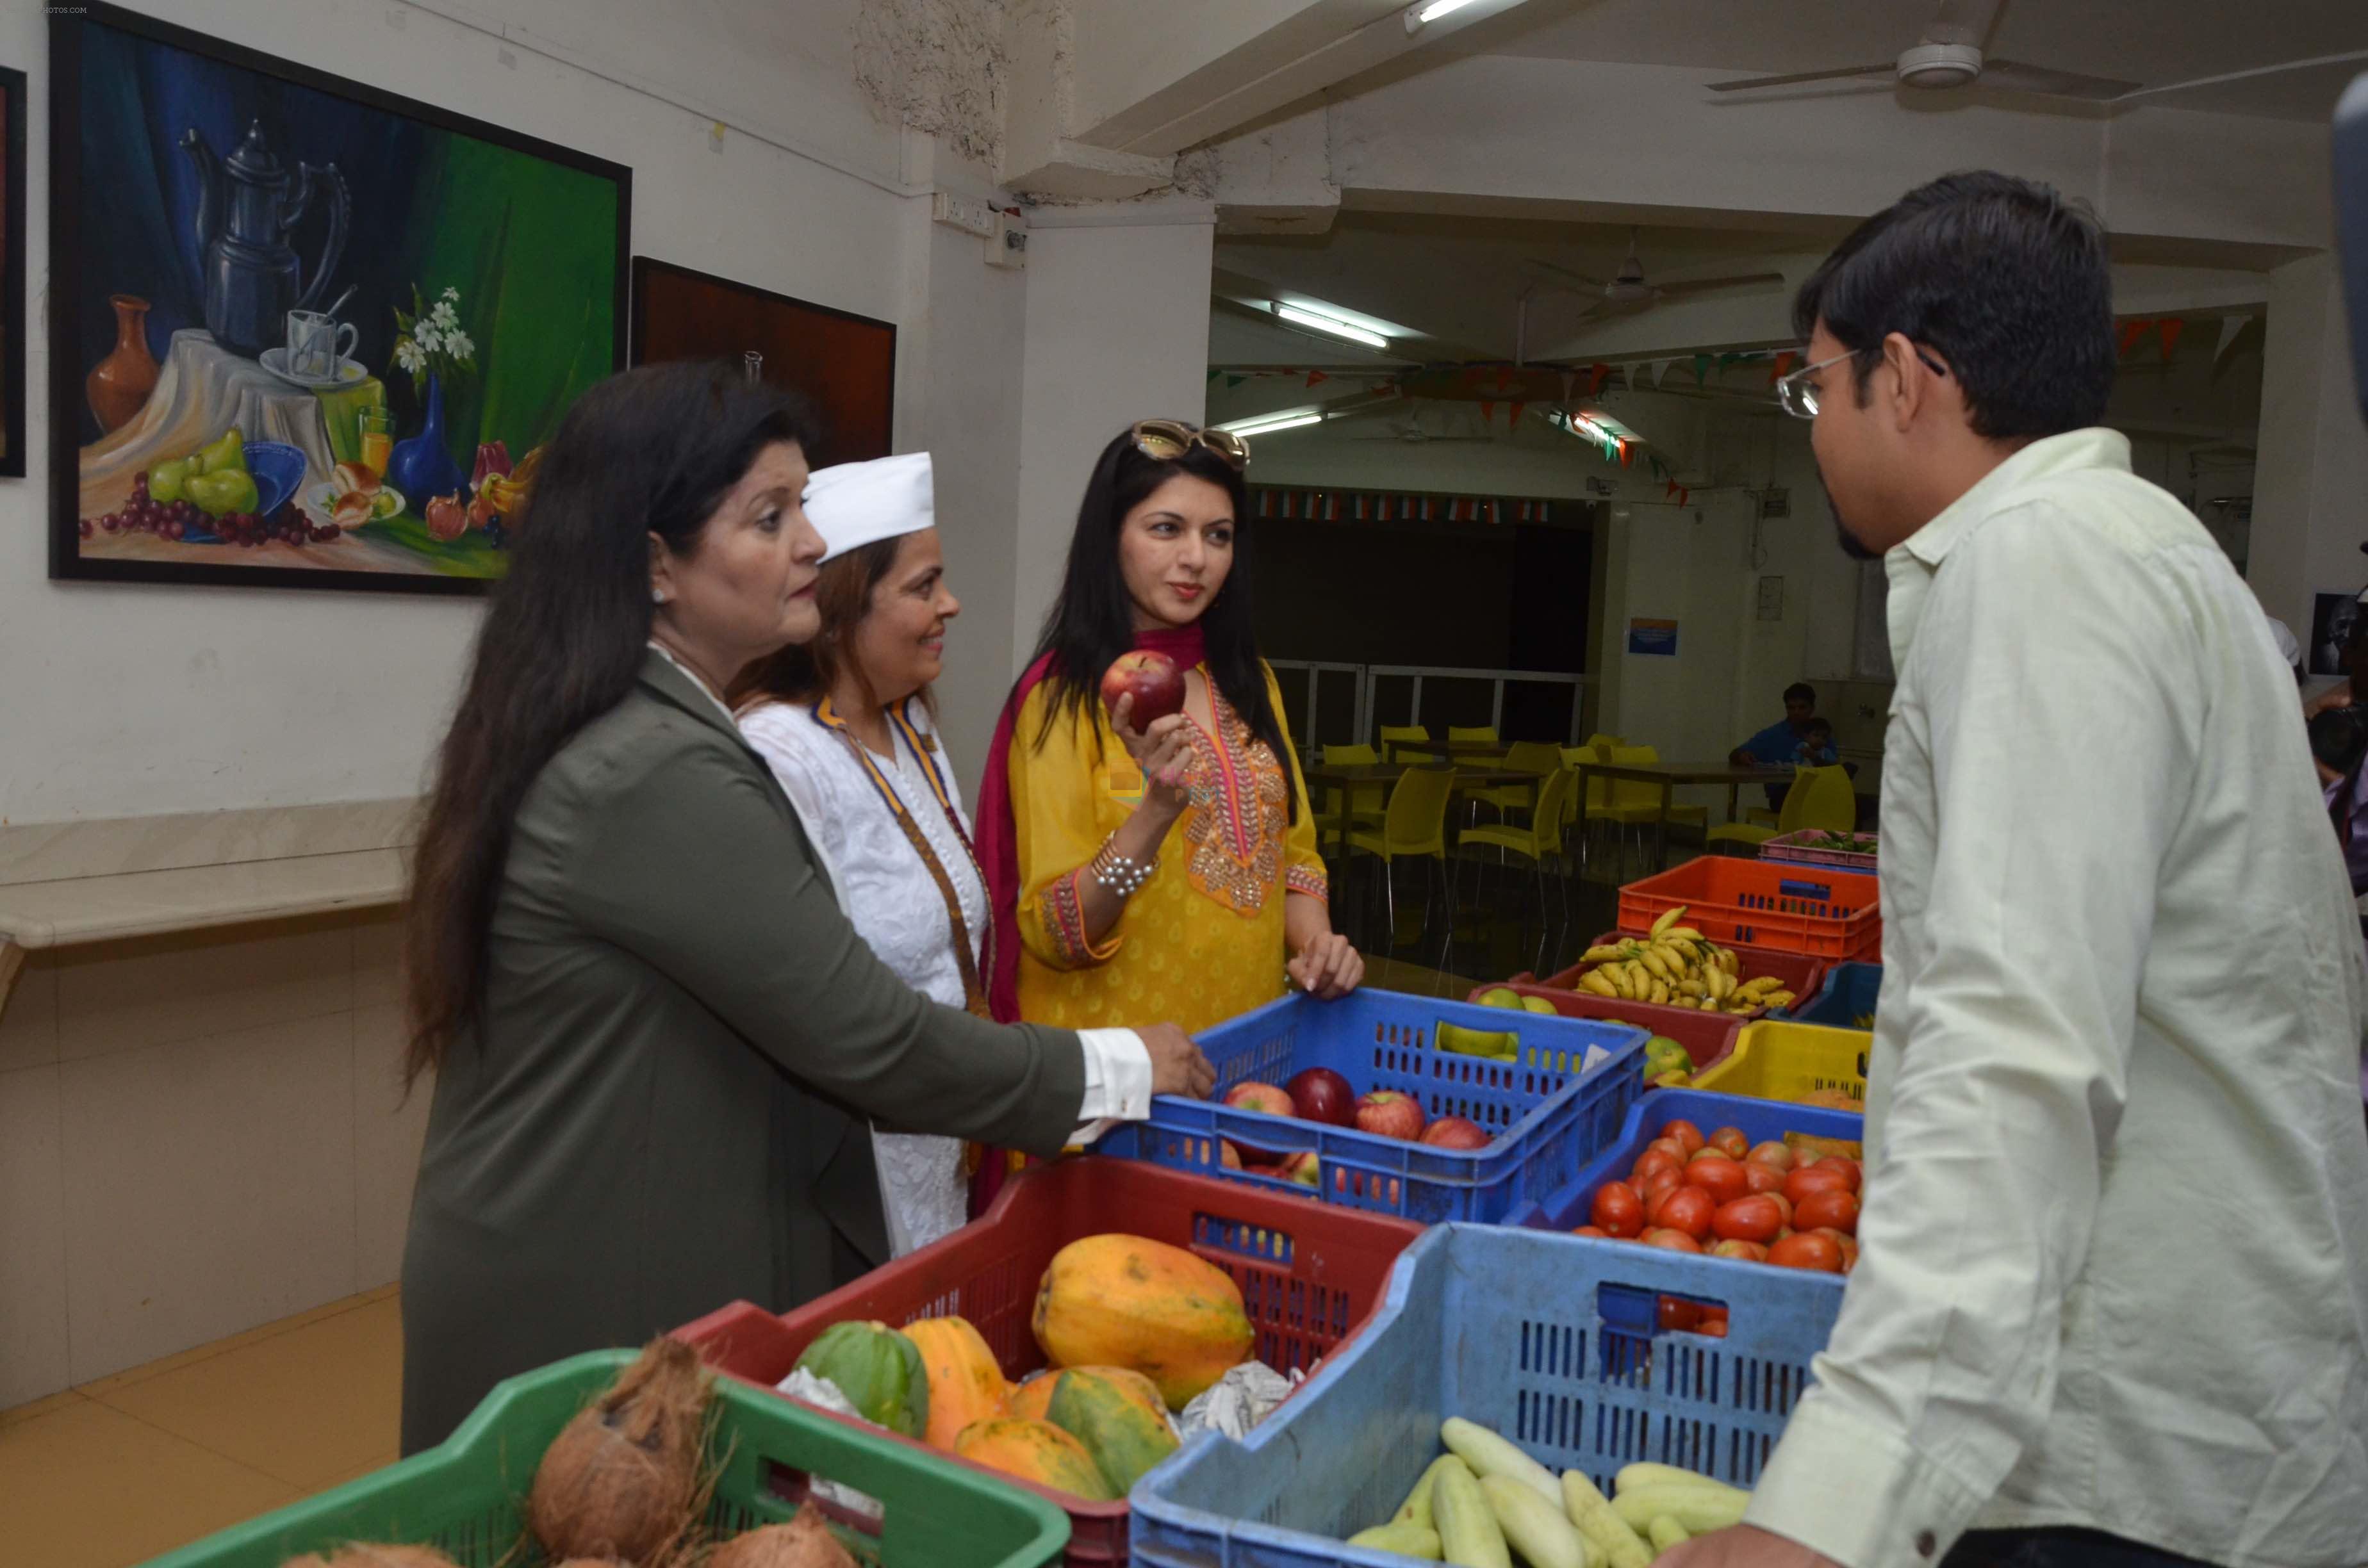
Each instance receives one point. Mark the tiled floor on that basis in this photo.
(116, 1471)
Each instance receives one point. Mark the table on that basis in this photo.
(1492, 751)
(1668, 776)
(1346, 775)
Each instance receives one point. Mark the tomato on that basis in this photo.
(1748, 1219)
(1669, 1146)
(1748, 1252)
(1848, 1168)
(1598, 1232)
(1617, 1210)
(1800, 1184)
(1784, 1207)
(1806, 1249)
(1771, 1153)
(1719, 1176)
(1730, 1141)
(1761, 1176)
(1657, 1186)
(1688, 1137)
(1673, 1240)
(1688, 1210)
(1850, 1248)
(1653, 1160)
(1828, 1211)
(1677, 1313)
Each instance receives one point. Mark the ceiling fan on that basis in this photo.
(1628, 291)
(1948, 54)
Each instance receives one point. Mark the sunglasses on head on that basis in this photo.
(1164, 440)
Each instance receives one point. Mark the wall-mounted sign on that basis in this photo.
(1654, 637)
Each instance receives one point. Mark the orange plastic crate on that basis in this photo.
(1815, 910)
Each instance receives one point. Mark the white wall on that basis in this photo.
(2310, 500)
(125, 701)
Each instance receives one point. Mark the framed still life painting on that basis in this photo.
(305, 333)
(845, 364)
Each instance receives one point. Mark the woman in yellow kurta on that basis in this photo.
(1169, 871)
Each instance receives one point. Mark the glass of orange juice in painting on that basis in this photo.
(378, 437)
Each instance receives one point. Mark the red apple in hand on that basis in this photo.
(1151, 679)
(1456, 1132)
(1391, 1114)
(1257, 1096)
(1323, 1095)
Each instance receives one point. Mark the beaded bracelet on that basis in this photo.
(1119, 873)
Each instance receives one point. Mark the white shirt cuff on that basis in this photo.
(1851, 1489)
(1118, 1081)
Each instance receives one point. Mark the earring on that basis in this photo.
(657, 595)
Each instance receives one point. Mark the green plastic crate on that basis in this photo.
(464, 1495)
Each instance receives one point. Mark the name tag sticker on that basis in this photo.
(1124, 782)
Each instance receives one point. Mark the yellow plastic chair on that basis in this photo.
(1396, 736)
(1820, 797)
(1540, 757)
(1413, 827)
(1538, 842)
(1366, 801)
(1474, 735)
(1634, 803)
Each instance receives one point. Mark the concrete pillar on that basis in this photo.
(1118, 329)
(2310, 497)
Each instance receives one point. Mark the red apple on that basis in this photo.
(1321, 1094)
(1456, 1132)
(1229, 1156)
(1265, 1097)
(1391, 1114)
(1305, 1168)
(1151, 679)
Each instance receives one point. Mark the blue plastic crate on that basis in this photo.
(1546, 1113)
(1566, 1206)
(1554, 1341)
(1846, 996)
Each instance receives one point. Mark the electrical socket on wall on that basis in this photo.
(1008, 247)
(971, 214)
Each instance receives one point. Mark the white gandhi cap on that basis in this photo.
(853, 505)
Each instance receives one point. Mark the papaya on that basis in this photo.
(1037, 1451)
(1032, 1401)
(878, 1370)
(1120, 1301)
(1118, 1415)
(965, 1385)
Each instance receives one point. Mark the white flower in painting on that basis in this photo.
(459, 345)
(408, 354)
(443, 315)
(451, 292)
(429, 340)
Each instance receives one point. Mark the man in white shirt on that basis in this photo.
(2112, 1299)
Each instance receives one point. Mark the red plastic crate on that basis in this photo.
(1816, 910)
(1310, 1275)
(1707, 1037)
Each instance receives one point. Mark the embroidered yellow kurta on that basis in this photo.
(1203, 940)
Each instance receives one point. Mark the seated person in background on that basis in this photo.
(1775, 746)
(1817, 747)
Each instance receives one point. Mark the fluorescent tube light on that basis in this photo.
(1299, 316)
(1418, 15)
(1267, 424)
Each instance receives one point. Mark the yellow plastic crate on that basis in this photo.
(1778, 1060)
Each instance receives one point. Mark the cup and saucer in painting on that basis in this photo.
(346, 373)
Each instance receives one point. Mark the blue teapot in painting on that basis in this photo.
(253, 276)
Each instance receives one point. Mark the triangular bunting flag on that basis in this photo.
(1669, 488)
(1233, 382)
(1504, 378)
(1487, 410)
(1660, 369)
(2171, 327)
(1702, 370)
(1627, 453)
(1726, 359)
(1317, 378)
(1515, 421)
(1783, 363)
(1659, 471)
(1597, 374)
(1682, 494)
(2131, 332)
(1213, 374)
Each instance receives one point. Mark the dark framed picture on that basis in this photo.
(845, 363)
(11, 274)
(305, 333)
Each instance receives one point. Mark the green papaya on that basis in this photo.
(878, 1370)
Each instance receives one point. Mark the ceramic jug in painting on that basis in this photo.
(254, 276)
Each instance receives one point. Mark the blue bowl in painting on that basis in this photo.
(279, 469)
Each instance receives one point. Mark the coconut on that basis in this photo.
(624, 1480)
(363, 1554)
(805, 1542)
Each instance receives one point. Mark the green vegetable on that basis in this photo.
(1489, 1454)
(1416, 1509)
(1596, 1520)
(1469, 1535)
(1534, 1527)
(1666, 1532)
(878, 1370)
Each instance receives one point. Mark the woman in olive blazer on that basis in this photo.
(657, 1044)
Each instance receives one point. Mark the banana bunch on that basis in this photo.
(1677, 966)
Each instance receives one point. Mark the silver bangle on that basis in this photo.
(1121, 874)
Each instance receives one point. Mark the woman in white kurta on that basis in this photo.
(844, 725)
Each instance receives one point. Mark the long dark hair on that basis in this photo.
(1092, 622)
(652, 451)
